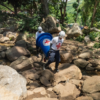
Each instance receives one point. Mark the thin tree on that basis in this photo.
(94, 11)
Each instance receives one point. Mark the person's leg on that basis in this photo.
(57, 55)
(51, 59)
(37, 49)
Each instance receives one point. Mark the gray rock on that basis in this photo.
(4, 39)
(91, 84)
(66, 57)
(81, 63)
(3, 48)
(21, 43)
(49, 25)
(75, 31)
(89, 67)
(30, 74)
(46, 77)
(12, 84)
(98, 67)
(95, 62)
(85, 55)
(23, 63)
(16, 52)
(84, 98)
(95, 96)
(87, 39)
(3, 54)
(67, 92)
(66, 72)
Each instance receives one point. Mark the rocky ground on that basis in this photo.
(22, 77)
(75, 80)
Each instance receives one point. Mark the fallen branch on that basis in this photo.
(6, 6)
(94, 29)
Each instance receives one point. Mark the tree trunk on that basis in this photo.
(45, 7)
(31, 8)
(64, 11)
(94, 11)
(61, 15)
(77, 11)
(94, 29)
(15, 10)
(6, 7)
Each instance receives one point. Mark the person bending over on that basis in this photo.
(54, 50)
(37, 34)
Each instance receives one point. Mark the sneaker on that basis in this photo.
(37, 55)
(56, 70)
(43, 66)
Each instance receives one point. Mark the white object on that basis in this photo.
(56, 43)
(38, 33)
(62, 34)
(39, 28)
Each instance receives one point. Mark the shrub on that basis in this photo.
(80, 38)
(28, 24)
(93, 35)
(96, 45)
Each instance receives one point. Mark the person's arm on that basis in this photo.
(43, 32)
(52, 41)
(36, 35)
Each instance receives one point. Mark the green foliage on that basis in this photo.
(28, 24)
(96, 45)
(97, 25)
(70, 18)
(30, 35)
(75, 5)
(93, 35)
(87, 11)
(80, 38)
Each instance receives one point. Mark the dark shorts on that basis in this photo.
(54, 55)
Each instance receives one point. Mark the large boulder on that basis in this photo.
(40, 90)
(10, 34)
(1, 30)
(67, 92)
(98, 67)
(30, 74)
(87, 39)
(84, 98)
(46, 77)
(21, 43)
(23, 63)
(89, 67)
(4, 39)
(36, 93)
(3, 48)
(12, 84)
(75, 31)
(22, 36)
(95, 62)
(95, 96)
(49, 25)
(67, 71)
(78, 83)
(85, 55)
(16, 52)
(91, 84)
(66, 57)
(81, 63)
(44, 98)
